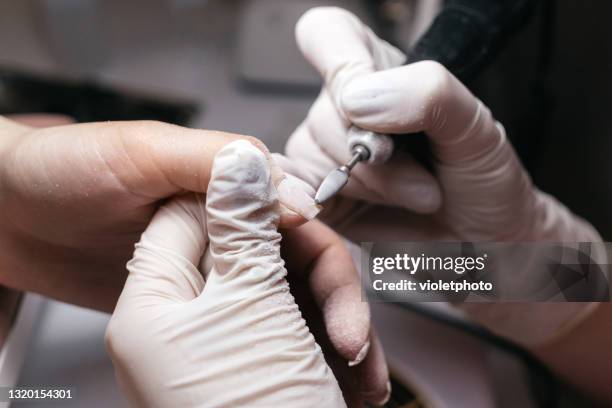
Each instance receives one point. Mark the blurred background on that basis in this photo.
(233, 65)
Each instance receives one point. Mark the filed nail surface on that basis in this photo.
(298, 196)
(361, 355)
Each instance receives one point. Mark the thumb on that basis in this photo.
(242, 218)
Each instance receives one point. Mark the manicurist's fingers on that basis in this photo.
(341, 47)
(401, 182)
(164, 266)
(424, 96)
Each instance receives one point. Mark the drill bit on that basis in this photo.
(338, 178)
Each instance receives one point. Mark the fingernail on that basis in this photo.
(384, 400)
(361, 355)
(379, 402)
(298, 196)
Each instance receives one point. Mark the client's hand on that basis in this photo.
(74, 199)
(206, 317)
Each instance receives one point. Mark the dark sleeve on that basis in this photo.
(467, 34)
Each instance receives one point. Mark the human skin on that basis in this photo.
(74, 198)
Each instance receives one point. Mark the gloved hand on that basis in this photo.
(79, 196)
(206, 317)
(480, 192)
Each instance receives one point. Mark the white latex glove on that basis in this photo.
(480, 192)
(222, 329)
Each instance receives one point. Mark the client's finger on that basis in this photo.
(316, 251)
(41, 120)
(320, 254)
(154, 160)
